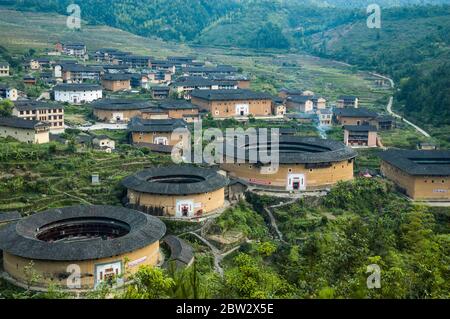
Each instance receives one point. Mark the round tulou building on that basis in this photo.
(305, 163)
(97, 242)
(176, 191)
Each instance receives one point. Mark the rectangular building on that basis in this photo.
(52, 114)
(233, 103)
(347, 101)
(9, 93)
(116, 82)
(159, 132)
(300, 103)
(77, 93)
(360, 135)
(422, 175)
(352, 116)
(4, 69)
(33, 132)
(184, 86)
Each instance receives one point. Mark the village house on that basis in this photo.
(29, 80)
(285, 93)
(300, 103)
(386, 122)
(154, 113)
(8, 93)
(160, 92)
(168, 132)
(4, 69)
(303, 118)
(181, 61)
(78, 50)
(325, 117)
(116, 82)
(104, 143)
(233, 103)
(205, 71)
(135, 61)
(106, 55)
(159, 77)
(354, 116)
(279, 107)
(116, 68)
(119, 110)
(427, 146)
(421, 175)
(347, 101)
(33, 132)
(360, 135)
(242, 81)
(77, 73)
(177, 109)
(39, 64)
(184, 86)
(138, 81)
(52, 114)
(319, 103)
(77, 93)
(162, 66)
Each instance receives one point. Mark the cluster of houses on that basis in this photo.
(184, 90)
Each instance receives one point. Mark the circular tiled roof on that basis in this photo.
(176, 180)
(21, 238)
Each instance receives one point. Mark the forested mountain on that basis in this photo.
(412, 46)
(382, 3)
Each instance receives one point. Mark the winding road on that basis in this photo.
(390, 104)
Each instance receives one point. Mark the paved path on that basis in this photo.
(102, 126)
(390, 104)
(418, 129)
(273, 221)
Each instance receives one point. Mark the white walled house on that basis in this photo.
(77, 93)
(8, 93)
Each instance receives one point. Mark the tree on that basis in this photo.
(6, 107)
(149, 283)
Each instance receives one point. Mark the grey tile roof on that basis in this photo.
(160, 88)
(198, 81)
(209, 180)
(122, 104)
(299, 150)
(19, 238)
(171, 104)
(20, 123)
(353, 112)
(9, 217)
(228, 95)
(116, 77)
(418, 162)
(180, 250)
(300, 99)
(347, 97)
(28, 105)
(361, 128)
(157, 148)
(166, 125)
(77, 87)
(71, 67)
